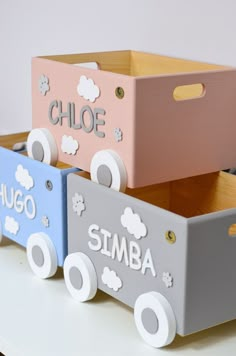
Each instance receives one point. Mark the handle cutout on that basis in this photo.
(232, 231)
(90, 65)
(191, 91)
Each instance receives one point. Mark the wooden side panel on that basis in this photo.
(178, 139)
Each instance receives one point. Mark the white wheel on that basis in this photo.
(107, 168)
(80, 276)
(42, 147)
(42, 256)
(154, 319)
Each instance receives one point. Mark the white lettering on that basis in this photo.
(119, 251)
(148, 263)
(106, 236)
(135, 256)
(19, 205)
(32, 214)
(18, 202)
(94, 236)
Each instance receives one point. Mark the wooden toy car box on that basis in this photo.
(168, 251)
(33, 209)
(165, 118)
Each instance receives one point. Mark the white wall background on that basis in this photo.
(195, 29)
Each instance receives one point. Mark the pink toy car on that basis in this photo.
(133, 119)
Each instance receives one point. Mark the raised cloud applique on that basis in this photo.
(78, 204)
(69, 145)
(11, 225)
(43, 84)
(167, 279)
(118, 134)
(133, 223)
(111, 280)
(87, 89)
(23, 177)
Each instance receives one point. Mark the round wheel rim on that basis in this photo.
(49, 266)
(44, 138)
(166, 330)
(86, 268)
(114, 163)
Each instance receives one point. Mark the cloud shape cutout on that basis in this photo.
(88, 89)
(69, 145)
(133, 223)
(11, 225)
(111, 280)
(23, 177)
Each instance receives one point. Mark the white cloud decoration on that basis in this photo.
(87, 89)
(111, 280)
(23, 177)
(132, 222)
(78, 204)
(69, 145)
(11, 225)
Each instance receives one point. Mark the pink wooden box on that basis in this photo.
(133, 119)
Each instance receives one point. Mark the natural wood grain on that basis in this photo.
(150, 64)
(187, 197)
(116, 62)
(203, 194)
(136, 63)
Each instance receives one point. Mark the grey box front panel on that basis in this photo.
(103, 219)
(211, 271)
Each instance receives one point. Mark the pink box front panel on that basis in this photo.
(116, 113)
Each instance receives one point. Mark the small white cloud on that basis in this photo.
(87, 89)
(132, 222)
(78, 204)
(23, 177)
(111, 280)
(11, 225)
(69, 145)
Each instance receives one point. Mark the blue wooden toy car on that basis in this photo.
(33, 209)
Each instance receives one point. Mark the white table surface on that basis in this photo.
(39, 318)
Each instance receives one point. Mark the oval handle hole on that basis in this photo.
(90, 65)
(191, 91)
(232, 230)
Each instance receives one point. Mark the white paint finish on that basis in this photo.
(167, 279)
(43, 84)
(49, 267)
(87, 89)
(89, 278)
(202, 30)
(23, 177)
(11, 225)
(111, 280)
(116, 166)
(166, 331)
(78, 204)
(31, 308)
(48, 143)
(133, 223)
(69, 145)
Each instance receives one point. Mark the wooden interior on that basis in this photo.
(136, 64)
(186, 197)
(190, 196)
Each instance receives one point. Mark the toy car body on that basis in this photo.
(135, 113)
(33, 209)
(168, 251)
